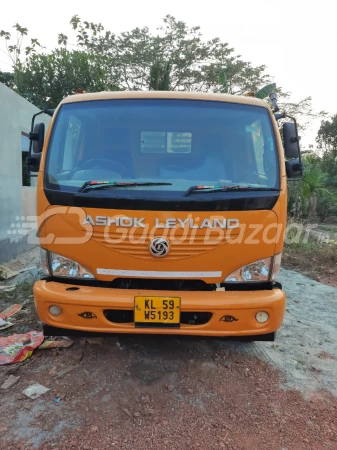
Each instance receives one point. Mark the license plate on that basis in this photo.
(157, 311)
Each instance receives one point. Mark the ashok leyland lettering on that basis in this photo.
(163, 212)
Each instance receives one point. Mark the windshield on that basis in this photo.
(181, 142)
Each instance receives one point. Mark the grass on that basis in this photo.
(21, 292)
(329, 228)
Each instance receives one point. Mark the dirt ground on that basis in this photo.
(318, 258)
(136, 392)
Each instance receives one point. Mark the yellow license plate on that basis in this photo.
(157, 311)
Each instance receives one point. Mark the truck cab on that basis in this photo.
(163, 212)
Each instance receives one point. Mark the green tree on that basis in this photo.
(302, 110)
(45, 79)
(175, 57)
(327, 142)
(16, 46)
(7, 78)
(315, 183)
(160, 76)
(138, 59)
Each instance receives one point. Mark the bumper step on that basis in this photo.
(54, 331)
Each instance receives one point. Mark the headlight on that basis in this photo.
(65, 267)
(44, 262)
(263, 270)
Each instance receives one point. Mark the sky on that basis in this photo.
(295, 39)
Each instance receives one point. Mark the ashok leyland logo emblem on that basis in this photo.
(159, 247)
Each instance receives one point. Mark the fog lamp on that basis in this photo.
(55, 310)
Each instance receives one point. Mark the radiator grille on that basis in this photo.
(139, 247)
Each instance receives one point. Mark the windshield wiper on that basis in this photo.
(212, 189)
(117, 184)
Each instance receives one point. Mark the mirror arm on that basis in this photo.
(299, 164)
(295, 139)
(290, 117)
(33, 136)
(49, 112)
(272, 97)
(279, 116)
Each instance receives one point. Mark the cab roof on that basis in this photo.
(114, 95)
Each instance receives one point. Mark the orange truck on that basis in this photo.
(162, 213)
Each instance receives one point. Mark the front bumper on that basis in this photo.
(242, 305)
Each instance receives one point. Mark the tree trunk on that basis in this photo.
(312, 206)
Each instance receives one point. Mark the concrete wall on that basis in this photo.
(16, 202)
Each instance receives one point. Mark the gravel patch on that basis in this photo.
(305, 349)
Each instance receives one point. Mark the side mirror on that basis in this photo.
(291, 140)
(37, 137)
(294, 168)
(33, 162)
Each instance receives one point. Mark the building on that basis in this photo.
(17, 189)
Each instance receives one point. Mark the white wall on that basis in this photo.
(15, 201)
